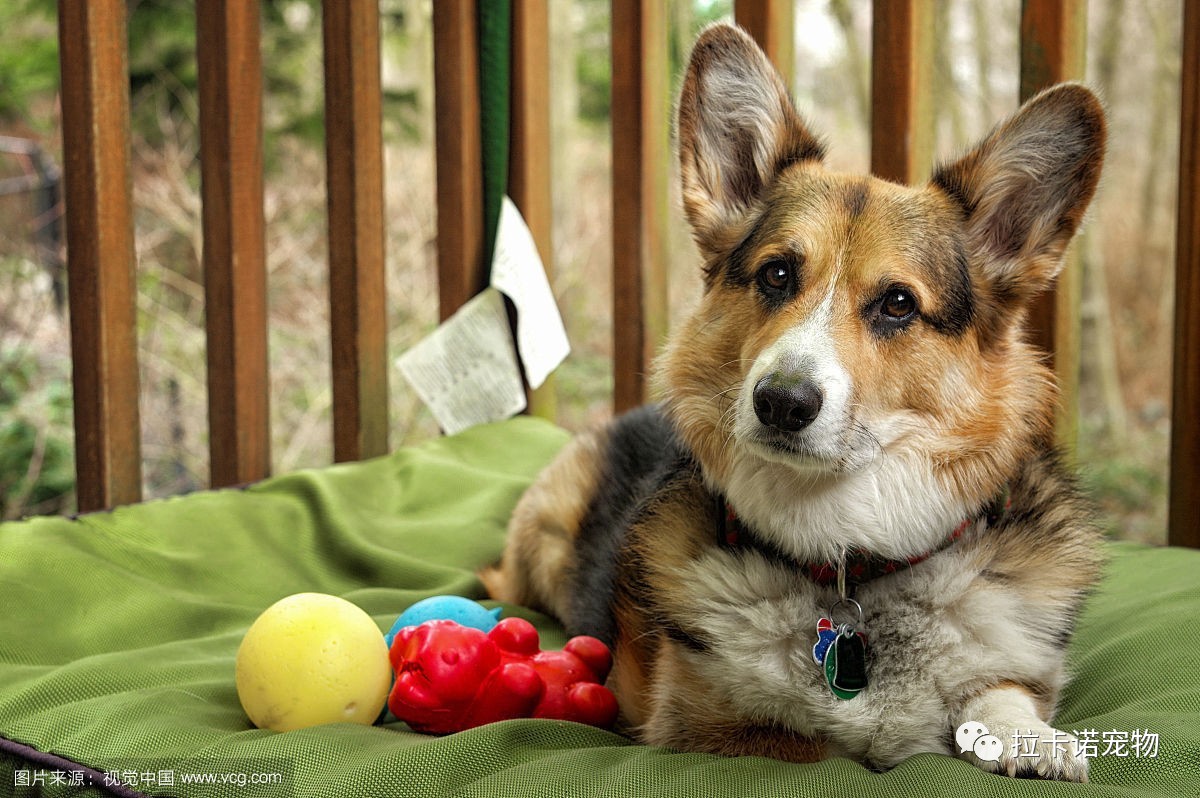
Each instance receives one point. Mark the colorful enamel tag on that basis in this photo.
(826, 634)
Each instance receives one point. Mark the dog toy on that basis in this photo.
(450, 677)
(311, 659)
(445, 608)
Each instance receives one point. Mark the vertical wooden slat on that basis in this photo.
(231, 178)
(101, 259)
(529, 150)
(639, 172)
(462, 270)
(771, 23)
(1184, 521)
(901, 55)
(529, 155)
(1053, 39)
(354, 172)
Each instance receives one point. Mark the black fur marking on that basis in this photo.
(950, 180)
(958, 297)
(1062, 638)
(1064, 634)
(641, 450)
(808, 149)
(855, 199)
(685, 638)
(1028, 771)
(999, 577)
(736, 267)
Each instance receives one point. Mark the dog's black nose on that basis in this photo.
(786, 404)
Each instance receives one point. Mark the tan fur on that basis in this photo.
(691, 711)
(541, 544)
(1041, 695)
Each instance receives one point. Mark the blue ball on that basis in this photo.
(446, 608)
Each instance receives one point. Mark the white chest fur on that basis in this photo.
(934, 634)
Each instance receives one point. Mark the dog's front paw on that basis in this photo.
(1031, 751)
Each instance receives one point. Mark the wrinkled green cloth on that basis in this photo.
(118, 633)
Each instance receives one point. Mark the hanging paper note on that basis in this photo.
(466, 371)
(517, 270)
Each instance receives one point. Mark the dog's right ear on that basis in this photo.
(737, 130)
(1023, 190)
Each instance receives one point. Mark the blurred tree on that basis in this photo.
(29, 59)
(1101, 353)
(162, 65)
(857, 63)
(981, 22)
(593, 71)
(37, 467)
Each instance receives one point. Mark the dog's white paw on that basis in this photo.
(1032, 750)
(1000, 730)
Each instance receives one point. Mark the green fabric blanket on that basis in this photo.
(118, 633)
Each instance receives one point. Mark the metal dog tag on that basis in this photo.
(846, 663)
(851, 671)
(841, 651)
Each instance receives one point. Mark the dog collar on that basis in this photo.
(860, 566)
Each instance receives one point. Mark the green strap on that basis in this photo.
(495, 46)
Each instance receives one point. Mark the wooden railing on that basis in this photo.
(100, 226)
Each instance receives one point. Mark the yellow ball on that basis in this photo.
(311, 659)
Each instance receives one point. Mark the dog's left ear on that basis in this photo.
(737, 130)
(1025, 188)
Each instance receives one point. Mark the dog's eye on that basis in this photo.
(898, 304)
(891, 312)
(776, 276)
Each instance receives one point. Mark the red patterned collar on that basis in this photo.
(861, 565)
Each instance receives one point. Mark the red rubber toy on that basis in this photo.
(451, 677)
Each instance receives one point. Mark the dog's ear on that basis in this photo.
(737, 130)
(1024, 188)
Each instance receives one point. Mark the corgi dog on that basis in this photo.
(844, 530)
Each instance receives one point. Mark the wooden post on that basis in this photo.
(771, 23)
(639, 172)
(529, 153)
(235, 274)
(357, 285)
(1053, 40)
(1184, 521)
(462, 270)
(901, 121)
(100, 252)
